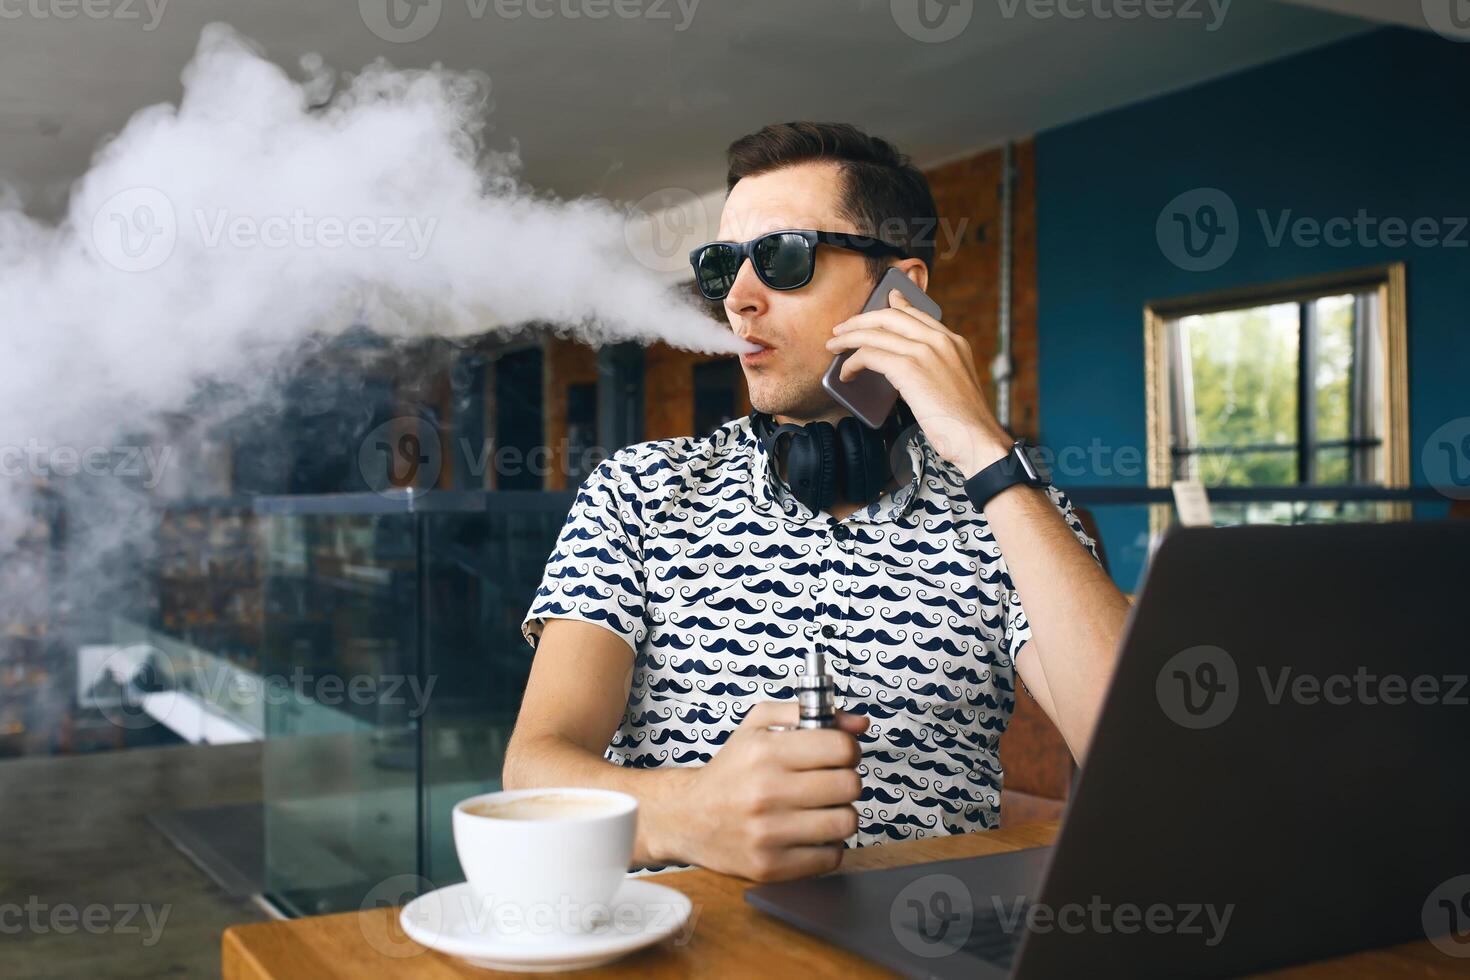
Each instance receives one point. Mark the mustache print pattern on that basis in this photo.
(738, 604)
(690, 550)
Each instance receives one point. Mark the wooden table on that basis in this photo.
(729, 938)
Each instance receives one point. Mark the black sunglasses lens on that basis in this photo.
(715, 269)
(783, 260)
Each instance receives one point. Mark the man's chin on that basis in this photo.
(804, 404)
(772, 402)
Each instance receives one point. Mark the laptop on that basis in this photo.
(1278, 776)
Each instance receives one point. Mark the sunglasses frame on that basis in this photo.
(862, 244)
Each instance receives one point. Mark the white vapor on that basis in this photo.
(212, 236)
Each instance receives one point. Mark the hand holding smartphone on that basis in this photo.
(868, 394)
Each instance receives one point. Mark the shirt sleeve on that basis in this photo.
(595, 572)
(1017, 629)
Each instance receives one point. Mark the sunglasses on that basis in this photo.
(782, 259)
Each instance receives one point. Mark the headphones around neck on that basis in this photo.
(825, 463)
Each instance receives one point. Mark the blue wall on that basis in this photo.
(1380, 122)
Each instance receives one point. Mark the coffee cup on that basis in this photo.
(551, 859)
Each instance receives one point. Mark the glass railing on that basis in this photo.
(392, 636)
(1129, 519)
(152, 677)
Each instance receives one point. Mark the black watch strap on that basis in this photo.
(1014, 468)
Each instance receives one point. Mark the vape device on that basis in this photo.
(815, 693)
(868, 394)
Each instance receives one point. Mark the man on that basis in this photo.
(689, 581)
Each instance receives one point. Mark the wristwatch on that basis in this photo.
(1018, 466)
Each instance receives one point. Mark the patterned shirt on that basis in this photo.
(694, 551)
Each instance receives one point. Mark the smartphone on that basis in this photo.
(867, 394)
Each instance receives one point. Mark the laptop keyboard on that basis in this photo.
(989, 939)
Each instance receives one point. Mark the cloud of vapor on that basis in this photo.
(213, 236)
(216, 243)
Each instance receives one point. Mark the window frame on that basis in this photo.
(1385, 283)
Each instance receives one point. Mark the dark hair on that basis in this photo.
(883, 194)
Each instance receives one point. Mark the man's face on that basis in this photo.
(792, 325)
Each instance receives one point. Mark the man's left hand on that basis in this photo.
(934, 371)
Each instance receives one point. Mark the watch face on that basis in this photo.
(1032, 463)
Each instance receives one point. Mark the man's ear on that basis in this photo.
(917, 271)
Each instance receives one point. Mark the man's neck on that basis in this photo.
(831, 415)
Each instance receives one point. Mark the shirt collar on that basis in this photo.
(771, 493)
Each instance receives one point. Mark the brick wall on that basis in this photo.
(965, 281)
(668, 391)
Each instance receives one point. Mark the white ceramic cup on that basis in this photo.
(563, 869)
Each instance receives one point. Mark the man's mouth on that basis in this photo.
(762, 351)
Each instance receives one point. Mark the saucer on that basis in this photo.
(451, 920)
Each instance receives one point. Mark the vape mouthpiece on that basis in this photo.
(816, 663)
(815, 691)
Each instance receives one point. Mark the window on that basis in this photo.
(620, 395)
(518, 420)
(581, 431)
(716, 400)
(1299, 385)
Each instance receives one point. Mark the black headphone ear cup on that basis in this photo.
(824, 438)
(865, 468)
(854, 460)
(811, 465)
(879, 472)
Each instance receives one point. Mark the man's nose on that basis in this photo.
(748, 296)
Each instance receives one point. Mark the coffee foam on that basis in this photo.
(544, 806)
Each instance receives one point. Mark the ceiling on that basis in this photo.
(623, 106)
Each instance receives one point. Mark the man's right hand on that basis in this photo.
(774, 805)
